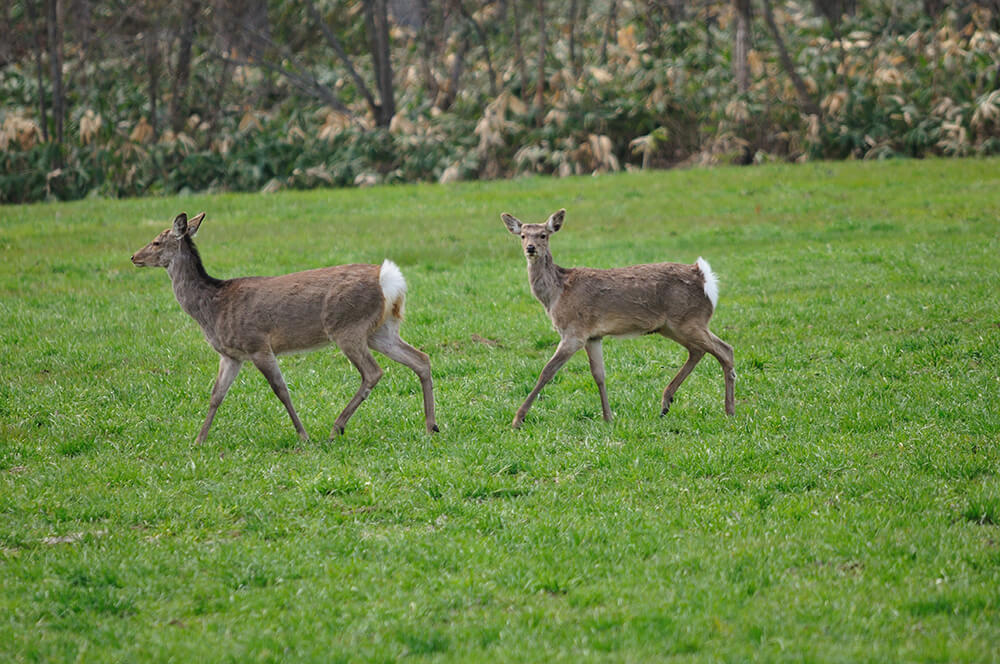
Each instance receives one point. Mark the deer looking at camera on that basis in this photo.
(358, 307)
(586, 305)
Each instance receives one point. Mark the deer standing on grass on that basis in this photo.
(586, 305)
(358, 307)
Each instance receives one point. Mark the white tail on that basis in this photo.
(586, 305)
(358, 307)
(711, 282)
(393, 285)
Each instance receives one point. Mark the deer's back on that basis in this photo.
(298, 311)
(631, 300)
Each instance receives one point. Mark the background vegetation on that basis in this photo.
(127, 98)
(849, 512)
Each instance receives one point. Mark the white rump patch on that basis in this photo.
(393, 285)
(711, 282)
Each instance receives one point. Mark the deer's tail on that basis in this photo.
(711, 282)
(393, 285)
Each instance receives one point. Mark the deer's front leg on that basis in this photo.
(567, 347)
(596, 356)
(268, 366)
(228, 368)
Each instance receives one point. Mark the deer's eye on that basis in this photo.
(156, 243)
(542, 236)
(522, 236)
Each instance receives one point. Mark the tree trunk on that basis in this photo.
(334, 42)
(609, 30)
(933, 8)
(808, 104)
(522, 66)
(741, 68)
(450, 94)
(574, 66)
(55, 32)
(215, 110)
(377, 24)
(481, 35)
(428, 49)
(540, 86)
(741, 48)
(153, 71)
(182, 70)
(29, 8)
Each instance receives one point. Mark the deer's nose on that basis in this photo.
(530, 248)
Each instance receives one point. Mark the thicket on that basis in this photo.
(124, 99)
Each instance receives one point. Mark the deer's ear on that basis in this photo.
(180, 226)
(512, 223)
(194, 223)
(555, 222)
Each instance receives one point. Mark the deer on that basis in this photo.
(585, 305)
(357, 307)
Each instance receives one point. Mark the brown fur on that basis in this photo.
(586, 305)
(255, 318)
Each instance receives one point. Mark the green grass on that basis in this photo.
(850, 512)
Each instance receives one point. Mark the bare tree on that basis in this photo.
(429, 36)
(809, 105)
(571, 28)
(481, 35)
(609, 30)
(377, 24)
(934, 7)
(151, 45)
(522, 66)
(182, 67)
(741, 46)
(540, 85)
(37, 29)
(55, 34)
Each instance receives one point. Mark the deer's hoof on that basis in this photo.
(338, 431)
(434, 429)
(666, 406)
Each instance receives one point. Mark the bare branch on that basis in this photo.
(808, 104)
(304, 82)
(481, 34)
(338, 48)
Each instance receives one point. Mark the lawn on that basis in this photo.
(849, 512)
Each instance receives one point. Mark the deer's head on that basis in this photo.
(167, 244)
(534, 237)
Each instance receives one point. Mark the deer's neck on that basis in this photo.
(546, 280)
(194, 289)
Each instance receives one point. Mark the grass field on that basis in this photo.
(850, 512)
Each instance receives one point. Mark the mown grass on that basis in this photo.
(849, 512)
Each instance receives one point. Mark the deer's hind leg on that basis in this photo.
(356, 350)
(699, 340)
(724, 353)
(387, 341)
(694, 357)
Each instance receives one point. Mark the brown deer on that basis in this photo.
(358, 307)
(586, 305)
